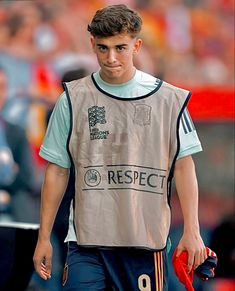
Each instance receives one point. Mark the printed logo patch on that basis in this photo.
(92, 178)
(142, 114)
(96, 115)
(125, 177)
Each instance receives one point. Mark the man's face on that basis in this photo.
(115, 56)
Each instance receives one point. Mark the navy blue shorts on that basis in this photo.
(121, 269)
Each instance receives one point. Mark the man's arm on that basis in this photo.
(187, 189)
(53, 189)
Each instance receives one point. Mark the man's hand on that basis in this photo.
(42, 259)
(193, 244)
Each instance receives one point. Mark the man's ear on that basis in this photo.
(92, 39)
(137, 45)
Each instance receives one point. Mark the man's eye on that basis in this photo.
(102, 48)
(120, 48)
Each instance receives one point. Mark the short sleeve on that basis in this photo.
(54, 147)
(189, 141)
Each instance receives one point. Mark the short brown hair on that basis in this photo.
(115, 19)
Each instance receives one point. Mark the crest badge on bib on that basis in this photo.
(142, 114)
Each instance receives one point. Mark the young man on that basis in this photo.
(126, 134)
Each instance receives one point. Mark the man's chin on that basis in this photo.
(113, 71)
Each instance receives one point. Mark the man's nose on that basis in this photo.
(111, 56)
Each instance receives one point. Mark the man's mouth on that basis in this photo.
(112, 67)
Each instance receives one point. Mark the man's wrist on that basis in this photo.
(44, 235)
(191, 228)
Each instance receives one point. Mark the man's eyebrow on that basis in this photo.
(117, 45)
(100, 44)
(122, 44)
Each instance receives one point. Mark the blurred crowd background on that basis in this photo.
(189, 43)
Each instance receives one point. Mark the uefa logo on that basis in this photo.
(92, 178)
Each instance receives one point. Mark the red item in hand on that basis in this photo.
(180, 268)
(205, 271)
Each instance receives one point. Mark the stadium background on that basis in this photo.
(189, 43)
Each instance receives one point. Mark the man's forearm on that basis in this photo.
(53, 188)
(187, 189)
